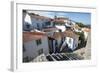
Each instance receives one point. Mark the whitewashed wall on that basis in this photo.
(32, 48)
(74, 42)
(70, 44)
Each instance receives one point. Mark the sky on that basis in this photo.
(84, 18)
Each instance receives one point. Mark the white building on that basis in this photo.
(34, 44)
(52, 40)
(34, 21)
(61, 27)
(27, 23)
(63, 21)
(37, 21)
(59, 41)
(71, 39)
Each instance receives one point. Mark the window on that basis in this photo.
(28, 26)
(43, 25)
(40, 51)
(38, 42)
(38, 26)
(60, 30)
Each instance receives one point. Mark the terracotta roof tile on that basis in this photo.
(29, 36)
(59, 20)
(50, 29)
(68, 33)
(38, 16)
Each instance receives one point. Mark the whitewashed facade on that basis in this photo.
(60, 40)
(27, 23)
(34, 49)
(72, 42)
(53, 41)
(33, 21)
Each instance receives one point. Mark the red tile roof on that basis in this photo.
(29, 36)
(38, 16)
(59, 20)
(49, 29)
(67, 33)
(70, 33)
